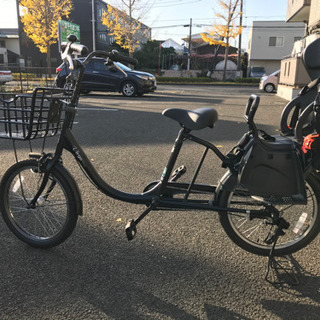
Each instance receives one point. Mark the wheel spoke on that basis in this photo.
(54, 215)
(251, 232)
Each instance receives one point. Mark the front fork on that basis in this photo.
(45, 163)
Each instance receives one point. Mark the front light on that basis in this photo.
(144, 77)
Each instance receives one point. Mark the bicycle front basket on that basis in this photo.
(35, 115)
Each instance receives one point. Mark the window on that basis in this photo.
(276, 41)
(102, 37)
(2, 44)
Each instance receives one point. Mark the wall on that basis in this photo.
(260, 48)
(13, 45)
(314, 18)
(298, 10)
(269, 65)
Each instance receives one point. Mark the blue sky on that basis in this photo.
(167, 13)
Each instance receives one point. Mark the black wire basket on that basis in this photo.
(35, 115)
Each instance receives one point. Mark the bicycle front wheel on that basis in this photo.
(250, 234)
(55, 214)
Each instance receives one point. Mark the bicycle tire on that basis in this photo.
(55, 214)
(250, 234)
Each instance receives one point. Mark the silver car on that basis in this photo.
(5, 76)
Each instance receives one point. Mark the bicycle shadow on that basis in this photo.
(221, 313)
(307, 288)
(104, 278)
(97, 274)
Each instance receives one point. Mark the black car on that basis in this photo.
(100, 77)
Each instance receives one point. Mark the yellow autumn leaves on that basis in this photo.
(126, 30)
(228, 27)
(40, 19)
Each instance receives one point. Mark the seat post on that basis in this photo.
(173, 157)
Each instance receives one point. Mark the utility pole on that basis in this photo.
(93, 27)
(240, 37)
(189, 51)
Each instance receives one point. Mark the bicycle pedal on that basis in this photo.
(178, 173)
(131, 229)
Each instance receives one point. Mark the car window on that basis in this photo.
(122, 66)
(99, 66)
(96, 66)
(90, 66)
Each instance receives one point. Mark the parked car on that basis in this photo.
(174, 67)
(270, 83)
(100, 77)
(257, 72)
(5, 76)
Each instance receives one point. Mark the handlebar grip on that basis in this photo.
(116, 56)
(75, 47)
(80, 48)
(252, 107)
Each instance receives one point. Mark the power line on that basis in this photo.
(246, 27)
(176, 4)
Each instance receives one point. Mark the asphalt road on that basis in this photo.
(181, 265)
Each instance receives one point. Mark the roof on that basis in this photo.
(9, 33)
(171, 43)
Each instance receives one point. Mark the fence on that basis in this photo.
(27, 78)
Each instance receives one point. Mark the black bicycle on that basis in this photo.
(268, 199)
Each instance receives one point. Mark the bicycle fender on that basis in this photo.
(228, 182)
(73, 185)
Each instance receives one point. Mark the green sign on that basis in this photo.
(66, 28)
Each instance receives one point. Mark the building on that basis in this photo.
(293, 75)
(9, 47)
(271, 41)
(207, 56)
(85, 13)
(170, 43)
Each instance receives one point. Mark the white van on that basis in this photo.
(270, 83)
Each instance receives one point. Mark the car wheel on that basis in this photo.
(269, 88)
(129, 89)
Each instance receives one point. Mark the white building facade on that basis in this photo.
(271, 41)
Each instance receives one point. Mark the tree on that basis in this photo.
(148, 56)
(228, 29)
(40, 20)
(127, 31)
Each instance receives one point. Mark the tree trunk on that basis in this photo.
(49, 61)
(225, 60)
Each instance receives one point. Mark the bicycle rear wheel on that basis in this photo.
(52, 220)
(250, 235)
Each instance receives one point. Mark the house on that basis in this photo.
(293, 75)
(9, 47)
(209, 57)
(270, 41)
(170, 43)
(93, 33)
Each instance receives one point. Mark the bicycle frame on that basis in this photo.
(160, 196)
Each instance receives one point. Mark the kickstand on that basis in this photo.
(280, 269)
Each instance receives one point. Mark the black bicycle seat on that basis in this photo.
(193, 119)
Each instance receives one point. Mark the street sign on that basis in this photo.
(65, 28)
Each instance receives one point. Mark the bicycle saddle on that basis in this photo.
(193, 119)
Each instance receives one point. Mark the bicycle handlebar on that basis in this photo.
(250, 112)
(70, 47)
(114, 55)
